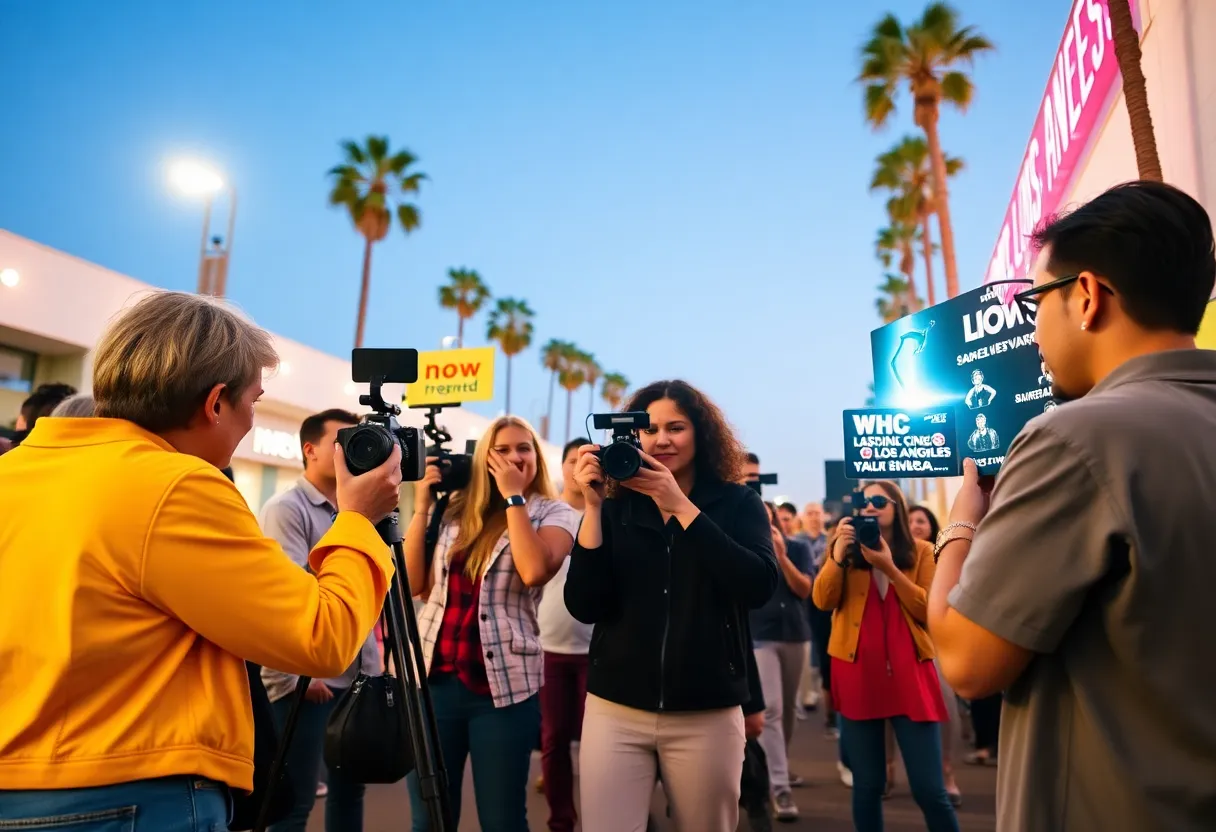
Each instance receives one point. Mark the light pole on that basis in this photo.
(197, 179)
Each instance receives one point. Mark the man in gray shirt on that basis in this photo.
(1086, 593)
(297, 519)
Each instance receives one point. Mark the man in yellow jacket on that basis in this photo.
(134, 582)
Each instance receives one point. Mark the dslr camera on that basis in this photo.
(868, 533)
(455, 469)
(760, 481)
(621, 458)
(370, 443)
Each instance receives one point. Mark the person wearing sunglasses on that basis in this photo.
(882, 659)
(1079, 582)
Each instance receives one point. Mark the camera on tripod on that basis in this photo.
(367, 445)
(455, 469)
(621, 458)
(760, 481)
(868, 533)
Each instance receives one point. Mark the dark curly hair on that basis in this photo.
(717, 453)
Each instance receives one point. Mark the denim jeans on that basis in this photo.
(344, 803)
(920, 744)
(167, 804)
(499, 741)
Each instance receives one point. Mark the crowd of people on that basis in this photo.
(674, 625)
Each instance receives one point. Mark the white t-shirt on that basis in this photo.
(560, 632)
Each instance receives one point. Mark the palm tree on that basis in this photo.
(510, 325)
(905, 172)
(613, 389)
(372, 184)
(1127, 53)
(552, 359)
(897, 240)
(593, 371)
(572, 376)
(926, 55)
(892, 303)
(466, 293)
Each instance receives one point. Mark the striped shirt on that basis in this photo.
(510, 635)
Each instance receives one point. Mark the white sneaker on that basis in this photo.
(846, 776)
(322, 790)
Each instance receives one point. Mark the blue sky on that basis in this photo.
(680, 187)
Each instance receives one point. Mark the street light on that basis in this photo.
(10, 277)
(195, 179)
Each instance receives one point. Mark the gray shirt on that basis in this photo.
(1099, 555)
(298, 518)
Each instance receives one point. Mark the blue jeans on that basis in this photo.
(344, 804)
(499, 741)
(167, 804)
(920, 744)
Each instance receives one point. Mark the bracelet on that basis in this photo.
(944, 538)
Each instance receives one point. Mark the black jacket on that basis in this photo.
(670, 604)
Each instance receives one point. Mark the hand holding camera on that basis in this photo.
(589, 475)
(655, 481)
(374, 493)
(424, 489)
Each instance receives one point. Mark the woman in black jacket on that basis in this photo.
(666, 566)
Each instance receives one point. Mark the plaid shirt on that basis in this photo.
(458, 646)
(505, 608)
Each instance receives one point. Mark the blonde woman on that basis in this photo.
(502, 538)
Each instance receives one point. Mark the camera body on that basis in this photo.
(868, 533)
(370, 443)
(456, 470)
(621, 458)
(760, 481)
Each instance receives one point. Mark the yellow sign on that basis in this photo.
(453, 377)
(1207, 330)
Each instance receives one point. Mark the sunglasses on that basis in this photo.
(877, 501)
(1035, 292)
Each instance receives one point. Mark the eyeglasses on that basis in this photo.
(1035, 292)
(877, 501)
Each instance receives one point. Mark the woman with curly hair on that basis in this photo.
(666, 566)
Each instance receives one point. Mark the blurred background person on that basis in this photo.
(298, 518)
(76, 406)
(882, 659)
(566, 642)
(126, 695)
(503, 537)
(666, 566)
(781, 633)
(42, 402)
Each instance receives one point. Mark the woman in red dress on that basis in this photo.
(882, 658)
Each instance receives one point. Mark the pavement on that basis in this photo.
(824, 802)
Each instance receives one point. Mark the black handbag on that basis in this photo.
(367, 739)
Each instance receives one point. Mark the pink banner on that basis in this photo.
(1080, 91)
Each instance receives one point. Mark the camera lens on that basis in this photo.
(367, 448)
(621, 461)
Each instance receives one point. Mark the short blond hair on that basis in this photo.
(158, 360)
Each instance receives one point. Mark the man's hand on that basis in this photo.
(972, 501)
(318, 692)
(753, 725)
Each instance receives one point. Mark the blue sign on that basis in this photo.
(888, 443)
(973, 354)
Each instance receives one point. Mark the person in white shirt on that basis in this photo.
(566, 643)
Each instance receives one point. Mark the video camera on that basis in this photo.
(370, 443)
(621, 458)
(455, 469)
(868, 533)
(760, 481)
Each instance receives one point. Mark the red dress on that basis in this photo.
(887, 678)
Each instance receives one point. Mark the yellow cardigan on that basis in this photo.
(844, 593)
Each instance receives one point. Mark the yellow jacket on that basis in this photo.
(134, 582)
(844, 592)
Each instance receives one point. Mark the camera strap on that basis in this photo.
(433, 527)
(280, 757)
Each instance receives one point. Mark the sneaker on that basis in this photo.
(796, 782)
(846, 776)
(784, 808)
(322, 790)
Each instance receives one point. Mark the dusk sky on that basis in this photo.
(679, 187)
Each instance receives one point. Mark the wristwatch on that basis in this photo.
(516, 500)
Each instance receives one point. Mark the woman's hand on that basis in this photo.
(846, 536)
(511, 481)
(778, 544)
(589, 476)
(659, 484)
(423, 493)
(880, 558)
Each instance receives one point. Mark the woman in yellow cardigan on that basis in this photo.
(882, 658)
(135, 582)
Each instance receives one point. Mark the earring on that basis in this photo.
(1084, 324)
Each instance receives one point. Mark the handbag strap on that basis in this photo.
(280, 756)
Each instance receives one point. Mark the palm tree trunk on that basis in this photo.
(1127, 53)
(569, 410)
(459, 330)
(509, 357)
(549, 411)
(926, 231)
(364, 289)
(907, 265)
(941, 199)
